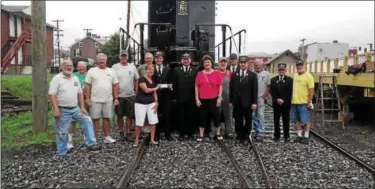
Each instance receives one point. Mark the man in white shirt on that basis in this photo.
(128, 76)
(101, 88)
(64, 94)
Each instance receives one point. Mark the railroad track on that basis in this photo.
(245, 181)
(11, 104)
(341, 150)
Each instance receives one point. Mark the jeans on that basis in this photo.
(62, 124)
(258, 116)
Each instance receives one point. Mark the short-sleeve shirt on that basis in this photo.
(208, 84)
(126, 76)
(66, 90)
(301, 85)
(142, 97)
(81, 79)
(264, 81)
(101, 81)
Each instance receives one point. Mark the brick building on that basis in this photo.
(16, 48)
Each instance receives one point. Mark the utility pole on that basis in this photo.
(87, 30)
(302, 49)
(58, 39)
(128, 24)
(39, 66)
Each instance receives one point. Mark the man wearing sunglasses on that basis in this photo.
(281, 92)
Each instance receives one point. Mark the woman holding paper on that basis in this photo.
(146, 104)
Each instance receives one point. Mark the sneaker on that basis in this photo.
(70, 145)
(305, 140)
(109, 139)
(93, 148)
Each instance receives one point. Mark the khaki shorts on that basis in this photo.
(101, 110)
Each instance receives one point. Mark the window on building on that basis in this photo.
(98, 51)
(80, 44)
(77, 52)
(96, 44)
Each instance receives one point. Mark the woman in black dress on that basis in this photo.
(146, 104)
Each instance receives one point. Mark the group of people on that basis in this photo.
(184, 99)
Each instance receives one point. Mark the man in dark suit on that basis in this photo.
(233, 67)
(183, 84)
(281, 92)
(162, 76)
(243, 95)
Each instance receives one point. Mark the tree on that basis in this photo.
(39, 79)
(111, 49)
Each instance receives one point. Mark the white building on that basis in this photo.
(320, 51)
(360, 50)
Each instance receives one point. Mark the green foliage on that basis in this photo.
(16, 131)
(111, 49)
(20, 85)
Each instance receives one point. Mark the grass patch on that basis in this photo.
(20, 85)
(16, 131)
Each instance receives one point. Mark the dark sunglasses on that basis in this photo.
(281, 69)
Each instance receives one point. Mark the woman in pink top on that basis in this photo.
(208, 89)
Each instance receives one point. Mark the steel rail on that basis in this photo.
(344, 152)
(264, 171)
(123, 183)
(243, 177)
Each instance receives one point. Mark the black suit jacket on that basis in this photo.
(282, 89)
(237, 69)
(243, 91)
(164, 78)
(184, 83)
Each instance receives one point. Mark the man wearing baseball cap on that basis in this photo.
(303, 92)
(128, 76)
(281, 91)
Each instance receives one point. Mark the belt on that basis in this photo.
(67, 107)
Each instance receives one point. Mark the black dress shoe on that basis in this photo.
(168, 138)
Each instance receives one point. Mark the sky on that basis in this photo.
(272, 26)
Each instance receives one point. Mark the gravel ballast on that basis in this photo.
(82, 169)
(357, 139)
(248, 162)
(186, 164)
(295, 165)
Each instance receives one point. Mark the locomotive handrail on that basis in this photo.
(239, 32)
(123, 30)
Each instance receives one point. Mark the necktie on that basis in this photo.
(242, 74)
(186, 69)
(281, 78)
(233, 68)
(159, 70)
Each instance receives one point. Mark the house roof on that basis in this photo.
(282, 54)
(101, 41)
(21, 9)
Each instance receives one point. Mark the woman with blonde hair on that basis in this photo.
(146, 104)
